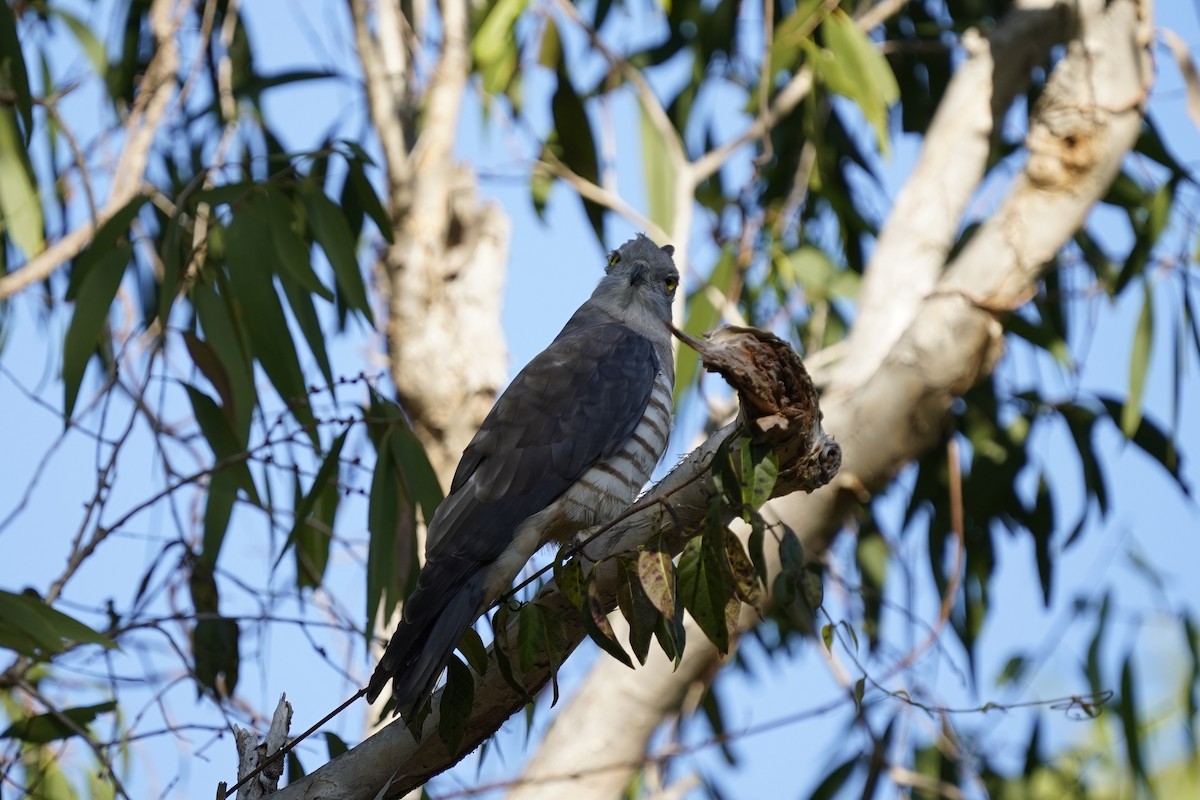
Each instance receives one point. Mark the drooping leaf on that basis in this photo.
(573, 132)
(214, 425)
(215, 646)
(458, 698)
(32, 628)
(13, 74)
(324, 490)
(494, 45)
(391, 554)
(658, 172)
(1127, 709)
(472, 647)
(745, 583)
(97, 293)
(226, 335)
(92, 47)
(366, 198)
(1139, 365)
(853, 67)
(314, 536)
(595, 620)
(637, 609)
(705, 583)
(20, 201)
(656, 573)
(531, 635)
(332, 232)
(51, 727)
(291, 254)
(249, 255)
(413, 463)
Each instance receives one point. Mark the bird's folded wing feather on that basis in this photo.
(573, 405)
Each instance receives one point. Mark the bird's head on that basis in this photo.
(639, 282)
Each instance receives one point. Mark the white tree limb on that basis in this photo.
(155, 91)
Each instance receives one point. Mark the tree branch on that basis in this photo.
(927, 217)
(154, 95)
(779, 403)
(1086, 123)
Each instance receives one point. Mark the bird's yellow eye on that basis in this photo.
(671, 283)
(613, 258)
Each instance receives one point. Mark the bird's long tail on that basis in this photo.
(432, 625)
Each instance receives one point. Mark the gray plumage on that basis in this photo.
(567, 446)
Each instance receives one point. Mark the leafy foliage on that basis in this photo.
(214, 311)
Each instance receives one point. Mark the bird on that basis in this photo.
(568, 445)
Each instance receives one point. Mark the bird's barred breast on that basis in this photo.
(607, 489)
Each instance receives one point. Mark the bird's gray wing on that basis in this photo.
(574, 404)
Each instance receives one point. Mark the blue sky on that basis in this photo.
(553, 266)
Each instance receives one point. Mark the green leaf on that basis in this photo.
(334, 745)
(1127, 710)
(97, 290)
(758, 471)
(1153, 442)
(91, 46)
(315, 536)
(639, 612)
(550, 52)
(248, 253)
(13, 74)
(573, 131)
(494, 46)
(215, 645)
(310, 325)
(810, 269)
(227, 337)
(332, 231)
(705, 583)
(656, 573)
(1139, 365)
(112, 234)
(531, 636)
(413, 463)
(569, 577)
(368, 200)
(218, 508)
(32, 628)
(458, 698)
(391, 554)
(209, 363)
(291, 254)
(214, 425)
(472, 647)
(658, 171)
(852, 66)
(504, 655)
(324, 484)
(52, 727)
(595, 620)
(20, 205)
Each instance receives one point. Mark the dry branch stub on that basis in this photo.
(779, 402)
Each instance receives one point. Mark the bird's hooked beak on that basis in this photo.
(637, 273)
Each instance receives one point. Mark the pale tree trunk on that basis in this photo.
(926, 331)
(444, 273)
